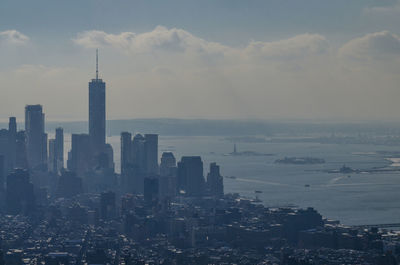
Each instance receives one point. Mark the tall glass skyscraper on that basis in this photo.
(97, 112)
(36, 138)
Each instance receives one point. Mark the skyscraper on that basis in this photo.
(215, 182)
(79, 156)
(97, 113)
(126, 152)
(19, 194)
(167, 180)
(12, 135)
(36, 139)
(52, 160)
(59, 149)
(21, 154)
(190, 176)
(151, 154)
(2, 172)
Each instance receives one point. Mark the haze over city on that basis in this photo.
(181, 132)
(324, 60)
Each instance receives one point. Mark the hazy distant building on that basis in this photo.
(139, 163)
(36, 139)
(2, 172)
(167, 179)
(215, 182)
(52, 164)
(20, 197)
(127, 166)
(168, 164)
(56, 152)
(126, 152)
(151, 153)
(138, 154)
(97, 113)
(5, 149)
(59, 149)
(79, 160)
(12, 135)
(190, 176)
(150, 189)
(69, 185)
(21, 160)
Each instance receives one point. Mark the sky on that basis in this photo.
(214, 59)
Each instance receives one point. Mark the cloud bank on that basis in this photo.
(379, 45)
(170, 72)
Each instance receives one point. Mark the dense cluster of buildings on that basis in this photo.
(156, 211)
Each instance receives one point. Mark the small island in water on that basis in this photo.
(300, 160)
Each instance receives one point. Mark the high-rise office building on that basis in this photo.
(150, 189)
(215, 182)
(59, 149)
(69, 185)
(21, 154)
(52, 160)
(190, 176)
(138, 154)
(97, 113)
(12, 135)
(126, 152)
(2, 172)
(5, 149)
(168, 164)
(79, 159)
(36, 139)
(151, 154)
(167, 179)
(20, 197)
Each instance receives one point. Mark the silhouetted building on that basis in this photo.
(215, 182)
(21, 153)
(2, 172)
(36, 139)
(69, 185)
(126, 152)
(80, 158)
(20, 197)
(127, 166)
(168, 164)
(151, 154)
(97, 113)
(12, 135)
(5, 149)
(139, 164)
(190, 176)
(59, 149)
(150, 189)
(107, 205)
(52, 164)
(167, 179)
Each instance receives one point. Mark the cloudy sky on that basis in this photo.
(267, 59)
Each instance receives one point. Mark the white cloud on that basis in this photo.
(388, 10)
(174, 40)
(379, 45)
(13, 37)
(159, 39)
(296, 47)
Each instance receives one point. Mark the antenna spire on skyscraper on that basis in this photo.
(97, 64)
